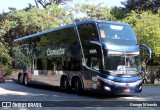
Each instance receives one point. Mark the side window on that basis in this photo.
(93, 62)
(63, 63)
(68, 36)
(62, 36)
(92, 53)
(88, 32)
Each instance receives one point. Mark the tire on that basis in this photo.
(3, 80)
(20, 79)
(66, 84)
(26, 80)
(79, 87)
(19, 75)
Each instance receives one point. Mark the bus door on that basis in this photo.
(92, 64)
(91, 53)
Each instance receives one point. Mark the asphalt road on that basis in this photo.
(53, 96)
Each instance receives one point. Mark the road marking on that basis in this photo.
(135, 98)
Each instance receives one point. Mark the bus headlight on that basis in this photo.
(107, 88)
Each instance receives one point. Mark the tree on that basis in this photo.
(30, 6)
(141, 5)
(45, 3)
(21, 23)
(118, 13)
(93, 11)
(147, 26)
(150, 24)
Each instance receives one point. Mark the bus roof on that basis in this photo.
(101, 21)
(70, 25)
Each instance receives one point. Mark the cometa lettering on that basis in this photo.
(59, 51)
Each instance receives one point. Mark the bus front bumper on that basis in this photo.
(121, 87)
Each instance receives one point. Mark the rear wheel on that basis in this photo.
(65, 84)
(3, 80)
(26, 80)
(79, 87)
(20, 78)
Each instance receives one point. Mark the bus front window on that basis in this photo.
(122, 63)
(117, 34)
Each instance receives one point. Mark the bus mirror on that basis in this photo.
(148, 50)
(83, 62)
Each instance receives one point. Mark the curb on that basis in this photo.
(150, 84)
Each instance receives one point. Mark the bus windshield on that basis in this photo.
(117, 34)
(123, 63)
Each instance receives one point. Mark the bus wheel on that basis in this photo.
(79, 87)
(20, 78)
(3, 80)
(66, 84)
(26, 81)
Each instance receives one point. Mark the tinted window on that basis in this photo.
(58, 63)
(63, 36)
(117, 34)
(88, 32)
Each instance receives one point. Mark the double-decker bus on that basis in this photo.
(96, 55)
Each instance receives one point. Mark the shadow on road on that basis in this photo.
(86, 94)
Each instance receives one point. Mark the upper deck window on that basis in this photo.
(117, 34)
(88, 32)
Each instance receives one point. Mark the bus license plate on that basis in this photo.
(126, 90)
